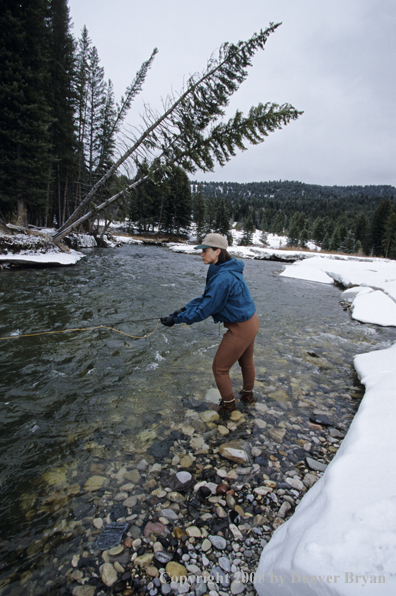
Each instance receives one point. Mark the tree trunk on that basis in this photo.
(22, 213)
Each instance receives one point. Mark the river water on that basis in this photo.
(71, 401)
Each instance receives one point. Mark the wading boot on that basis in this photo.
(226, 407)
(246, 397)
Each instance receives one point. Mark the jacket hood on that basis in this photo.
(233, 266)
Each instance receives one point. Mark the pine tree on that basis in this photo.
(96, 98)
(362, 231)
(63, 160)
(25, 113)
(81, 92)
(199, 213)
(178, 205)
(378, 226)
(335, 241)
(319, 230)
(348, 244)
(389, 239)
(223, 221)
(304, 237)
(248, 230)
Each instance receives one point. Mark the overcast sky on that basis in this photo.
(335, 60)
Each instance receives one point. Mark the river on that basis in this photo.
(71, 401)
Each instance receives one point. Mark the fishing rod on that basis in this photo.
(109, 326)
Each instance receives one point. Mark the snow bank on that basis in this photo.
(377, 304)
(342, 536)
(47, 258)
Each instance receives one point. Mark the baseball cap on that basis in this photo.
(213, 241)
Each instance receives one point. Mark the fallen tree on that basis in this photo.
(185, 133)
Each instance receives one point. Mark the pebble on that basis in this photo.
(295, 483)
(175, 569)
(206, 545)
(237, 587)
(108, 574)
(218, 542)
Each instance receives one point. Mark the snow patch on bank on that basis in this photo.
(373, 282)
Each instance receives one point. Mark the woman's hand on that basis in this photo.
(168, 321)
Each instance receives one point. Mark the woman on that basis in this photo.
(226, 298)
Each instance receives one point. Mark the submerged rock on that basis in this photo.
(235, 451)
(111, 535)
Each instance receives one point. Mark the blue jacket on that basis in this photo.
(226, 297)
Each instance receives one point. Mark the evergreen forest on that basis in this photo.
(350, 219)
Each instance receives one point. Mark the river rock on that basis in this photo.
(111, 535)
(277, 434)
(285, 507)
(218, 542)
(193, 532)
(178, 482)
(175, 569)
(116, 550)
(223, 430)
(235, 532)
(309, 480)
(98, 523)
(237, 587)
(236, 415)
(186, 461)
(260, 407)
(209, 416)
(321, 419)
(295, 483)
(175, 497)
(132, 476)
(95, 483)
(235, 451)
(108, 574)
(169, 514)
(213, 395)
(260, 423)
(84, 591)
(220, 577)
(153, 528)
(262, 490)
(163, 557)
(230, 501)
(130, 502)
(225, 564)
(144, 560)
(198, 444)
(315, 465)
(206, 545)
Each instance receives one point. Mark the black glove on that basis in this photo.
(177, 312)
(168, 321)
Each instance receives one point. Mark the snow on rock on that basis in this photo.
(308, 273)
(48, 258)
(374, 307)
(342, 536)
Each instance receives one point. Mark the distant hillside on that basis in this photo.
(290, 197)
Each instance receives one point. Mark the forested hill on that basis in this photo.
(290, 196)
